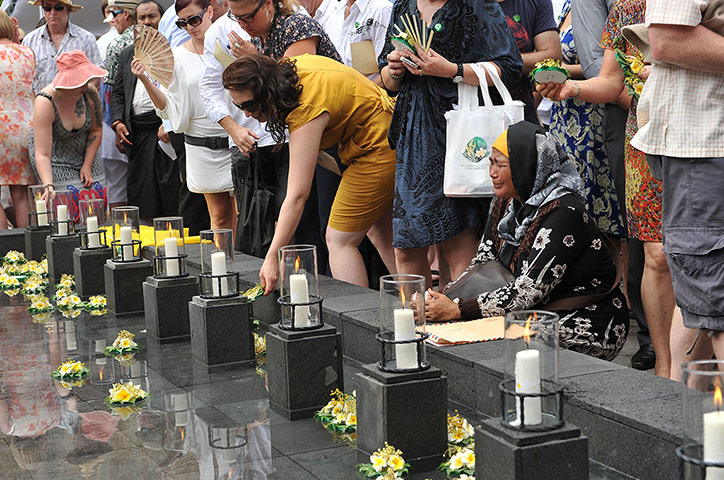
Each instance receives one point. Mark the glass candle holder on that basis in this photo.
(218, 278)
(227, 441)
(92, 214)
(702, 454)
(40, 212)
(168, 233)
(126, 233)
(61, 204)
(179, 420)
(402, 324)
(532, 399)
(301, 304)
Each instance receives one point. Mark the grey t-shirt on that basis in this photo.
(588, 17)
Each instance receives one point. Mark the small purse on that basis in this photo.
(482, 277)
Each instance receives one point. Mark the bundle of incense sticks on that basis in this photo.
(415, 31)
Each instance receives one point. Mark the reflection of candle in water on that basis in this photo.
(406, 353)
(136, 370)
(70, 334)
(714, 437)
(218, 267)
(127, 243)
(101, 360)
(180, 406)
(62, 217)
(94, 240)
(100, 345)
(299, 293)
(41, 209)
(527, 380)
(172, 266)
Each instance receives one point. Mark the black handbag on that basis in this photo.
(482, 277)
(255, 228)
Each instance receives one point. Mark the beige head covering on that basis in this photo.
(129, 5)
(72, 7)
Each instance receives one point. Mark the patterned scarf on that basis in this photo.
(540, 176)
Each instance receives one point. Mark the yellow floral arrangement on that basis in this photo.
(34, 285)
(461, 448)
(73, 313)
(549, 71)
(10, 284)
(72, 369)
(42, 318)
(67, 281)
(69, 302)
(39, 304)
(69, 384)
(62, 292)
(122, 394)
(13, 257)
(127, 359)
(340, 413)
(385, 464)
(122, 345)
(96, 305)
(254, 292)
(632, 66)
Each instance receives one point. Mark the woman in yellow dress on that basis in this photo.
(323, 102)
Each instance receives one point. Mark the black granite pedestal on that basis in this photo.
(501, 452)
(124, 285)
(304, 366)
(407, 410)
(12, 239)
(221, 331)
(165, 304)
(88, 269)
(60, 254)
(35, 242)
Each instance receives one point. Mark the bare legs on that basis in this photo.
(222, 210)
(345, 260)
(681, 340)
(657, 295)
(19, 194)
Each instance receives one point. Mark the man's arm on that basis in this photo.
(681, 45)
(588, 18)
(547, 45)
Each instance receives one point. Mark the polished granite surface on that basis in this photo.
(48, 432)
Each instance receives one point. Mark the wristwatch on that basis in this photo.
(459, 74)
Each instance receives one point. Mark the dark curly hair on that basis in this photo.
(274, 85)
(499, 208)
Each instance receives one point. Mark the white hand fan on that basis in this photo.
(154, 52)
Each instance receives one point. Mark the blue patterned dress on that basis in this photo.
(578, 126)
(466, 31)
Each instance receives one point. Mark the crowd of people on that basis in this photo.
(600, 210)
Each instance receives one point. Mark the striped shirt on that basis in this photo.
(683, 107)
(75, 38)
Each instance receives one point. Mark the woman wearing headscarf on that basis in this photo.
(539, 229)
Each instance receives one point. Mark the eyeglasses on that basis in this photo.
(115, 13)
(192, 21)
(246, 18)
(58, 7)
(248, 106)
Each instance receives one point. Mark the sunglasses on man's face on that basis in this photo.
(246, 18)
(192, 21)
(248, 106)
(115, 13)
(58, 7)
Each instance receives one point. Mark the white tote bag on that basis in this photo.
(471, 131)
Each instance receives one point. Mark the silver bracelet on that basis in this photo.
(393, 76)
(577, 86)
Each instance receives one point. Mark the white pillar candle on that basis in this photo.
(173, 265)
(127, 243)
(218, 267)
(100, 345)
(101, 360)
(181, 418)
(70, 341)
(406, 354)
(94, 240)
(41, 209)
(714, 443)
(62, 217)
(527, 380)
(299, 293)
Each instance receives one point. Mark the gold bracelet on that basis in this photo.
(393, 76)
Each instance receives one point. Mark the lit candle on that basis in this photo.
(527, 380)
(127, 243)
(172, 266)
(218, 267)
(299, 293)
(94, 240)
(406, 353)
(41, 210)
(714, 438)
(62, 217)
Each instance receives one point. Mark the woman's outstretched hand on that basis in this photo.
(268, 275)
(86, 177)
(440, 308)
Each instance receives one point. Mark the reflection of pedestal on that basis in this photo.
(407, 410)
(35, 242)
(60, 254)
(12, 239)
(124, 285)
(88, 269)
(502, 452)
(165, 303)
(304, 366)
(221, 330)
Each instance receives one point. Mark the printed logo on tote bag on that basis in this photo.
(476, 150)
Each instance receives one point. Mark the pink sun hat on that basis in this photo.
(75, 70)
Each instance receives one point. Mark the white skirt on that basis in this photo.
(207, 170)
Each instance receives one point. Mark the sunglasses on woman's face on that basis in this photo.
(246, 18)
(248, 106)
(192, 21)
(58, 7)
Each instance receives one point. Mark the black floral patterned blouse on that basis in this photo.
(288, 29)
(568, 258)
